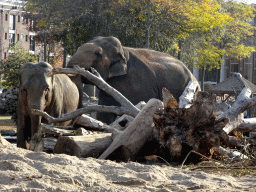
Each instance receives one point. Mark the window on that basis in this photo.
(18, 18)
(18, 37)
(26, 37)
(5, 35)
(11, 39)
(6, 17)
(32, 44)
(12, 22)
(4, 55)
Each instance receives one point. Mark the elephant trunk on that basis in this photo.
(35, 119)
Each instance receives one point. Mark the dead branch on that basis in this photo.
(242, 103)
(94, 124)
(97, 80)
(187, 97)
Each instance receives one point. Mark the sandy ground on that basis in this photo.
(23, 170)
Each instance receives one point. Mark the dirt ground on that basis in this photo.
(7, 123)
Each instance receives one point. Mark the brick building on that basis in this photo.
(13, 28)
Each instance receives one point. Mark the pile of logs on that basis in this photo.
(175, 128)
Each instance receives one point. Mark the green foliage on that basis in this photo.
(197, 32)
(10, 66)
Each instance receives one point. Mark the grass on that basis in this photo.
(7, 123)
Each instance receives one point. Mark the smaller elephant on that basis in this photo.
(54, 94)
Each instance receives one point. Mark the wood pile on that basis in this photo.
(162, 128)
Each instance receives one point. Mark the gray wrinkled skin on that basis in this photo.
(55, 95)
(139, 74)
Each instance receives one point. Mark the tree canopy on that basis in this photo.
(199, 32)
(10, 66)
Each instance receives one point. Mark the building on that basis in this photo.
(13, 28)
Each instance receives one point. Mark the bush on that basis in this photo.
(10, 66)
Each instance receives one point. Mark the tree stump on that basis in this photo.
(196, 128)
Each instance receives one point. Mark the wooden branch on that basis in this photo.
(246, 125)
(242, 103)
(136, 134)
(90, 122)
(187, 97)
(95, 78)
(78, 112)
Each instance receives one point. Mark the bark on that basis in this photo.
(83, 146)
(127, 144)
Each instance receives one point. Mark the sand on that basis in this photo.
(24, 170)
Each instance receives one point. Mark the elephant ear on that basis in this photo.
(118, 67)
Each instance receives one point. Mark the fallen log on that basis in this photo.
(83, 146)
(127, 144)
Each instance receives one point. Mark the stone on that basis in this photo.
(8, 132)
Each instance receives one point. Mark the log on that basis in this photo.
(83, 146)
(129, 142)
(54, 131)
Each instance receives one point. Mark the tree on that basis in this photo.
(10, 66)
(206, 49)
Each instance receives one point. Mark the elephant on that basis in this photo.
(137, 73)
(54, 94)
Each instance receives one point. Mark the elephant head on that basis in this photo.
(105, 54)
(36, 85)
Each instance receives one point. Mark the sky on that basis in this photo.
(247, 1)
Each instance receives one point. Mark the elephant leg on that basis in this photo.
(23, 130)
(107, 100)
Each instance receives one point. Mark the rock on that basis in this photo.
(8, 132)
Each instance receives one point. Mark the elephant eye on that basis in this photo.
(98, 53)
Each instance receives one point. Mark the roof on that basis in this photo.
(233, 84)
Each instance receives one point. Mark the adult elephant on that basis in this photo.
(54, 94)
(139, 74)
